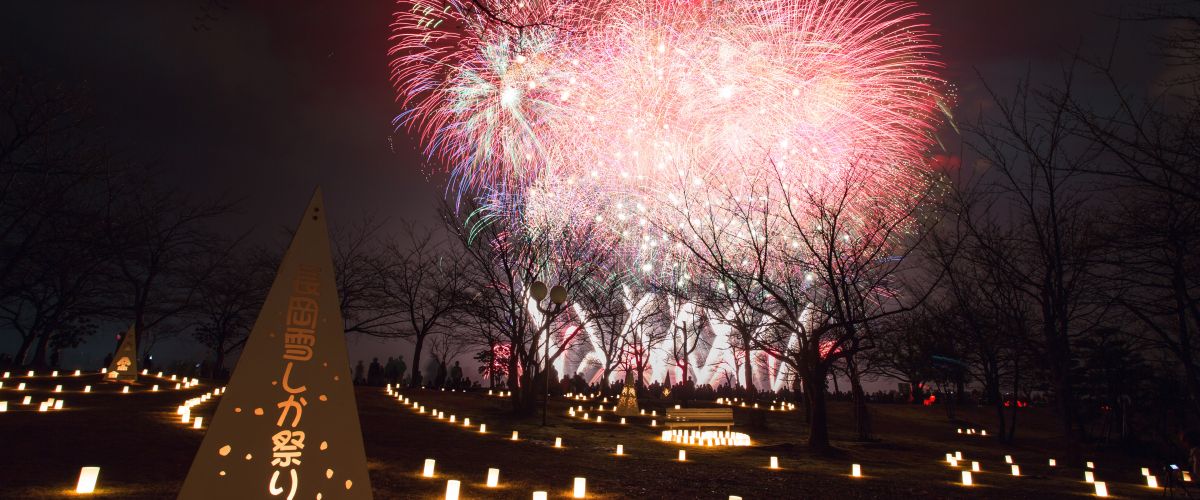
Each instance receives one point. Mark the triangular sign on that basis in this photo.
(287, 425)
(124, 366)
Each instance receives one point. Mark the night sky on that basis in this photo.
(264, 100)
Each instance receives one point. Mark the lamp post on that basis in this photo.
(558, 296)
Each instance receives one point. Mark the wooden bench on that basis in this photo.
(699, 417)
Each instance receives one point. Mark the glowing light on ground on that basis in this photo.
(87, 480)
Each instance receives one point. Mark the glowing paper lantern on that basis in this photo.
(87, 480)
(1016, 470)
(428, 471)
(3, 406)
(21, 386)
(622, 420)
(125, 390)
(30, 374)
(58, 388)
(1145, 471)
(580, 488)
(514, 436)
(558, 442)
(1091, 465)
(154, 388)
(1101, 489)
(197, 423)
(186, 417)
(1089, 476)
(43, 406)
(466, 422)
(682, 455)
(482, 428)
(774, 462)
(76, 373)
(953, 462)
(539, 495)
(1008, 459)
(620, 449)
(966, 478)
(1053, 462)
(6, 374)
(856, 470)
(975, 466)
(653, 423)
(1152, 481)
(493, 478)
(452, 487)
(58, 405)
(958, 455)
(27, 400)
(1187, 477)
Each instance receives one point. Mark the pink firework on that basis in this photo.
(641, 113)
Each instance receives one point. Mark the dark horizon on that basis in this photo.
(261, 102)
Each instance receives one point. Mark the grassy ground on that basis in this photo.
(144, 452)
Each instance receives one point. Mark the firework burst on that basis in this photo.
(641, 113)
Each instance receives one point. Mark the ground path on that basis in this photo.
(144, 451)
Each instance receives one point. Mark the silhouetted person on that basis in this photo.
(455, 375)
(358, 374)
(389, 370)
(400, 368)
(375, 373)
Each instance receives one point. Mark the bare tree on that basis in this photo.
(818, 262)
(1036, 174)
(56, 192)
(422, 283)
(229, 301)
(501, 260)
(610, 317)
(158, 241)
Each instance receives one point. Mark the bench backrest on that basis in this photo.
(700, 414)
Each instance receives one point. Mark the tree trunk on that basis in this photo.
(39, 353)
(862, 414)
(1060, 368)
(749, 370)
(415, 381)
(514, 382)
(1016, 406)
(998, 401)
(23, 350)
(818, 428)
